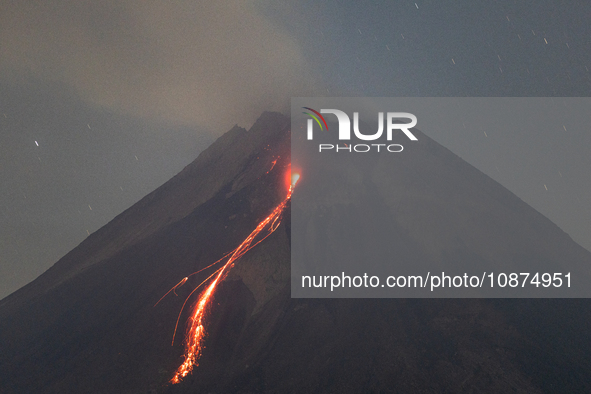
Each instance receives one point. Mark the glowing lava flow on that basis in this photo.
(196, 331)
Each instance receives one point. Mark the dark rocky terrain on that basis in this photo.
(89, 325)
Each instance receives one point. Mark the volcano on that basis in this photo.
(89, 324)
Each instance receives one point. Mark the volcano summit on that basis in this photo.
(89, 324)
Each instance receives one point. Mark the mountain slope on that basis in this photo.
(89, 325)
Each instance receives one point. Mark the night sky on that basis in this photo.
(102, 102)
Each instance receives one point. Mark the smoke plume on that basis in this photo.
(212, 63)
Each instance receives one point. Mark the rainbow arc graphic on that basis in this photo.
(315, 115)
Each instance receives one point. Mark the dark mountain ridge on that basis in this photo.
(89, 325)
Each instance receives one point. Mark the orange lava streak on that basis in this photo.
(182, 282)
(196, 331)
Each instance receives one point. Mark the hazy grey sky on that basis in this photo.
(101, 102)
(190, 62)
